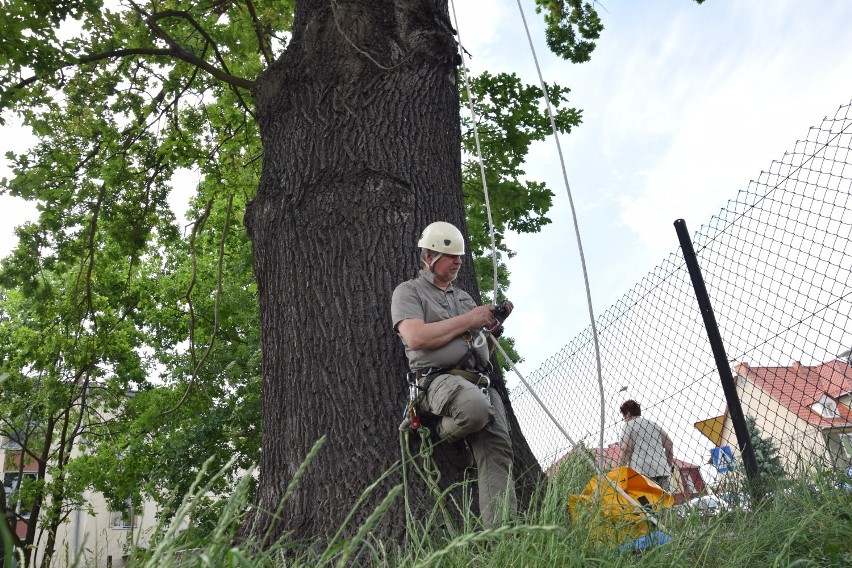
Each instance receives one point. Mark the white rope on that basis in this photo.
(479, 154)
(576, 231)
(600, 465)
(573, 212)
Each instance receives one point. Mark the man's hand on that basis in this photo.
(501, 312)
(481, 316)
(504, 310)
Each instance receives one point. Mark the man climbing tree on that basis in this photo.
(358, 119)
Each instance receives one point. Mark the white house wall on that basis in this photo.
(800, 445)
(94, 542)
(91, 537)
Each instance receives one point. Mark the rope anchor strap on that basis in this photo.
(481, 380)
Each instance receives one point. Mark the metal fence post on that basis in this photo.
(728, 386)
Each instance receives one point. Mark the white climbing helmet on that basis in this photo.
(442, 237)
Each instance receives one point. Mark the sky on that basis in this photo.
(682, 105)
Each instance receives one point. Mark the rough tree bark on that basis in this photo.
(360, 128)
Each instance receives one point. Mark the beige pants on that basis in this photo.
(467, 413)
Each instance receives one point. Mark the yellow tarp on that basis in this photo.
(611, 516)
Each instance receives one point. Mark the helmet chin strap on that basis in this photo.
(430, 264)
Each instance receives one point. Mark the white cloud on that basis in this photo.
(482, 26)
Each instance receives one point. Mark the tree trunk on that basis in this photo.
(360, 128)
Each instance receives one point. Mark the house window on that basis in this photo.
(826, 407)
(11, 483)
(10, 479)
(846, 444)
(124, 519)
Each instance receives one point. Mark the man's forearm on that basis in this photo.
(420, 335)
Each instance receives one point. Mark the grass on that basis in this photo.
(809, 523)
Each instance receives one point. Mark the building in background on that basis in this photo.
(91, 536)
(14, 475)
(804, 410)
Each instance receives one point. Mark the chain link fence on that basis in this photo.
(776, 262)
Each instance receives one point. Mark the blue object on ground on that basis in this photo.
(643, 543)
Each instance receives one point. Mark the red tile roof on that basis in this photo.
(798, 387)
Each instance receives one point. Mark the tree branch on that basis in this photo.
(185, 55)
(188, 17)
(261, 38)
(179, 52)
(218, 296)
(175, 52)
(196, 230)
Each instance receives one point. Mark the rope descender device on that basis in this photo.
(410, 418)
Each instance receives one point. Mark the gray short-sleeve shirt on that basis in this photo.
(421, 299)
(649, 455)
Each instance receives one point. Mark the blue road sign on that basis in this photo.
(723, 458)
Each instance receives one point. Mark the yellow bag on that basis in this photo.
(611, 516)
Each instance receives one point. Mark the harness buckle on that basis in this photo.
(484, 386)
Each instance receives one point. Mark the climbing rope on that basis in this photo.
(433, 474)
(576, 231)
(599, 467)
(473, 119)
(428, 470)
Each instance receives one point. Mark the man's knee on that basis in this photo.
(474, 413)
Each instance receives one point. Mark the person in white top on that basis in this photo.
(645, 446)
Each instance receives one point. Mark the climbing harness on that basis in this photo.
(419, 383)
(481, 380)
